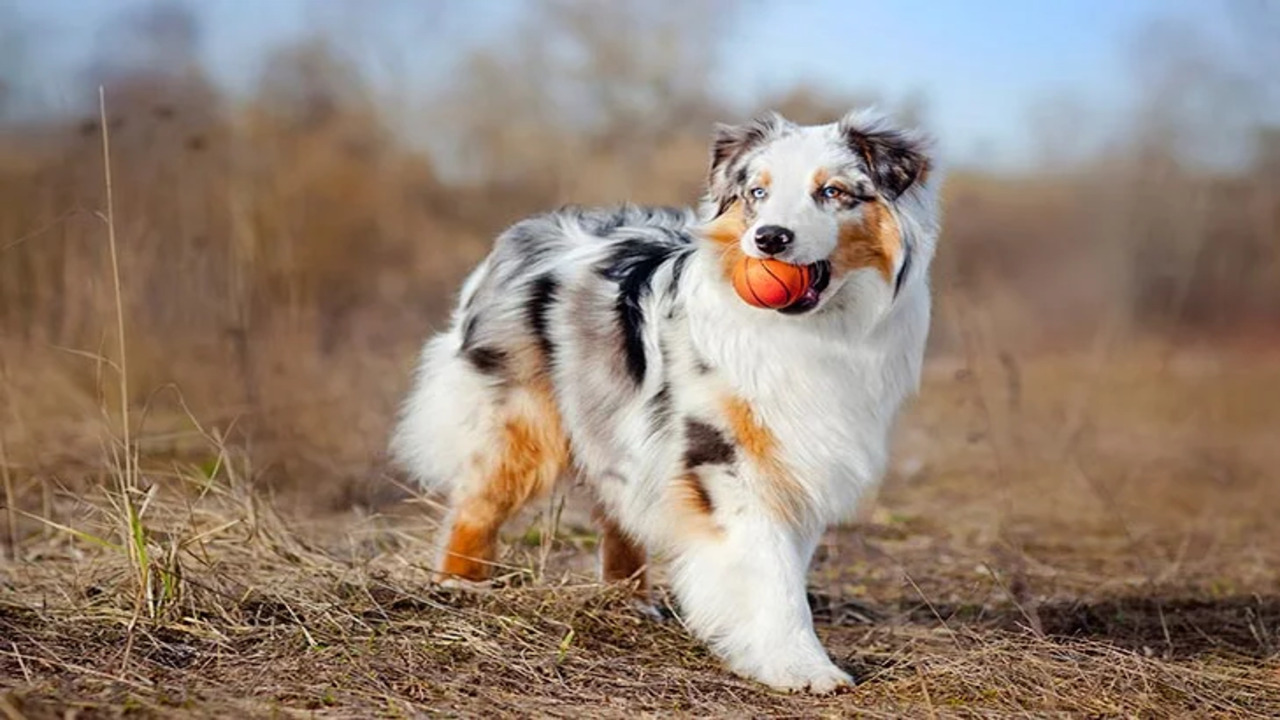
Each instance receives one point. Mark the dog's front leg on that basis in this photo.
(743, 591)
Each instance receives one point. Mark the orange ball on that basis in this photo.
(770, 283)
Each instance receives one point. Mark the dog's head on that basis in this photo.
(838, 197)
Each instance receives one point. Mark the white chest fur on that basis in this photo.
(828, 389)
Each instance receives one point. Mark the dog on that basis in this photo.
(719, 435)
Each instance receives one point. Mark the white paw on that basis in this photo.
(818, 678)
(450, 582)
(828, 680)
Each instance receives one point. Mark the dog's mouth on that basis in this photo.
(819, 279)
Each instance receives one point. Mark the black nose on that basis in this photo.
(773, 239)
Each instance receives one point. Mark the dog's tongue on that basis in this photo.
(812, 294)
(809, 296)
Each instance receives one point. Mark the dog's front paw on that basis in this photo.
(818, 678)
(828, 680)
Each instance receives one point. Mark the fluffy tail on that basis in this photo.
(449, 412)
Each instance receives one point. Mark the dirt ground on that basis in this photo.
(1060, 537)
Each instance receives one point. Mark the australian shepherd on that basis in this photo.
(720, 436)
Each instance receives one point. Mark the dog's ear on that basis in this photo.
(896, 159)
(729, 144)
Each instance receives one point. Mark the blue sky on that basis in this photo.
(980, 64)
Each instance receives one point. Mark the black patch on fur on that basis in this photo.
(543, 294)
(677, 272)
(705, 445)
(469, 331)
(488, 360)
(675, 309)
(729, 144)
(894, 161)
(902, 274)
(732, 141)
(702, 497)
(632, 265)
(661, 404)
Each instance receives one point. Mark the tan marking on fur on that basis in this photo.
(533, 451)
(727, 228)
(469, 553)
(820, 178)
(750, 434)
(864, 147)
(873, 241)
(730, 259)
(621, 558)
(528, 366)
(765, 179)
(691, 505)
(725, 231)
(784, 494)
(695, 494)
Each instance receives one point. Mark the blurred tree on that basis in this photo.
(148, 58)
(1267, 155)
(308, 83)
(578, 79)
(13, 51)
(1198, 201)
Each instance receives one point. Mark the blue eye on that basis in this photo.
(758, 193)
(831, 192)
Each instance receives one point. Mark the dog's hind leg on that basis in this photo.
(525, 456)
(622, 559)
(492, 441)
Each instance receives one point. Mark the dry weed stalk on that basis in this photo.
(124, 455)
(10, 498)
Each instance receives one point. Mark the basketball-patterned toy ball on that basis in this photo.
(770, 283)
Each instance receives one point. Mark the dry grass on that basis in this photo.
(968, 590)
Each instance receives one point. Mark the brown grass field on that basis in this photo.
(1088, 537)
